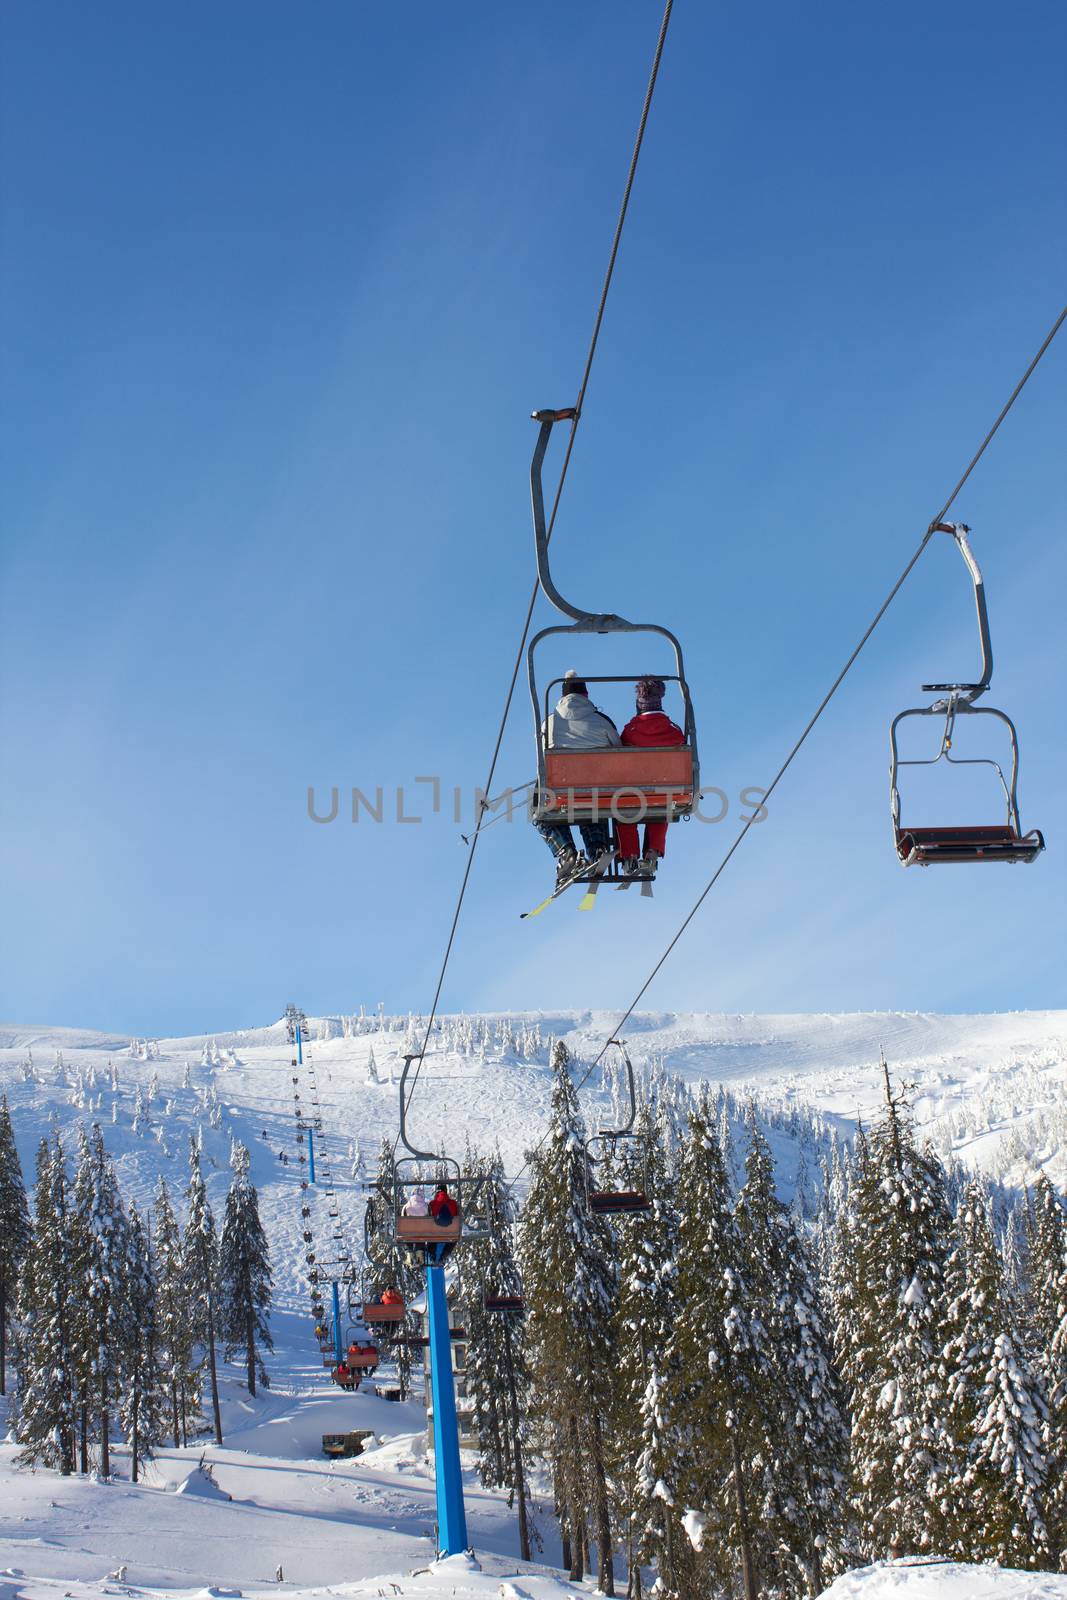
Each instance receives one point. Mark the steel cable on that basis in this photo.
(824, 702)
(653, 75)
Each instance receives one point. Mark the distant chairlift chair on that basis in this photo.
(930, 846)
(614, 1202)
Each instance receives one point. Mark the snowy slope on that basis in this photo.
(991, 1088)
(949, 1580)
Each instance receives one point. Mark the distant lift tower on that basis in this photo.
(296, 1026)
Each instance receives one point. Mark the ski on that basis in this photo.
(598, 866)
(588, 900)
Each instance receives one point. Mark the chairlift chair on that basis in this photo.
(625, 784)
(614, 1202)
(508, 1305)
(364, 1358)
(1002, 841)
(423, 1233)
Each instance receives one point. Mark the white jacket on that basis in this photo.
(576, 724)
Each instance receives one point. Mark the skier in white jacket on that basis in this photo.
(576, 724)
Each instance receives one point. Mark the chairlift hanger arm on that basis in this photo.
(606, 622)
(967, 693)
(420, 1155)
(620, 1133)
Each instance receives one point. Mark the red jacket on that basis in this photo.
(651, 728)
(442, 1205)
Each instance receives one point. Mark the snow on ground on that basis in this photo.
(947, 1580)
(990, 1088)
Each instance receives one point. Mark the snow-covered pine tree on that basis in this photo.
(898, 1239)
(14, 1230)
(174, 1329)
(567, 1258)
(244, 1274)
(707, 1365)
(200, 1260)
(144, 1402)
(44, 1414)
(999, 1471)
(1046, 1263)
(100, 1245)
(497, 1372)
(647, 1245)
(799, 1469)
(1047, 1271)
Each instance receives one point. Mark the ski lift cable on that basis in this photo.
(824, 702)
(624, 207)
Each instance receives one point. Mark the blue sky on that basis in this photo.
(279, 290)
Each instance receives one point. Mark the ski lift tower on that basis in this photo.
(296, 1026)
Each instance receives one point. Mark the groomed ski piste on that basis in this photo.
(988, 1090)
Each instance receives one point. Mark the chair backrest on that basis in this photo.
(639, 782)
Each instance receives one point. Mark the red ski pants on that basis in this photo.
(655, 838)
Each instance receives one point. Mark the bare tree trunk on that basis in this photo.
(250, 1340)
(105, 1429)
(185, 1418)
(83, 1465)
(604, 1558)
(3, 1335)
(174, 1411)
(575, 1510)
(214, 1372)
(744, 1532)
(135, 1441)
(564, 1530)
(518, 1470)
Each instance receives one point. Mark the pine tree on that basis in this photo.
(497, 1371)
(99, 1235)
(998, 1408)
(14, 1230)
(797, 1422)
(200, 1258)
(566, 1256)
(708, 1363)
(647, 1245)
(175, 1333)
(44, 1416)
(144, 1402)
(244, 1274)
(898, 1241)
(1048, 1298)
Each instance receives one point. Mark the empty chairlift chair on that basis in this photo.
(603, 1143)
(995, 841)
(506, 1305)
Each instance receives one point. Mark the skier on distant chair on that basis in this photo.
(651, 728)
(576, 724)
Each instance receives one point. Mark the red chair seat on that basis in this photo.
(424, 1230)
(661, 779)
(994, 842)
(375, 1312)
(605, 1203)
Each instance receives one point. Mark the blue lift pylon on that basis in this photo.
(451, 1515)
(337, 1342)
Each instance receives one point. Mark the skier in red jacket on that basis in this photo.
(650, 728)
(443, 1209)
